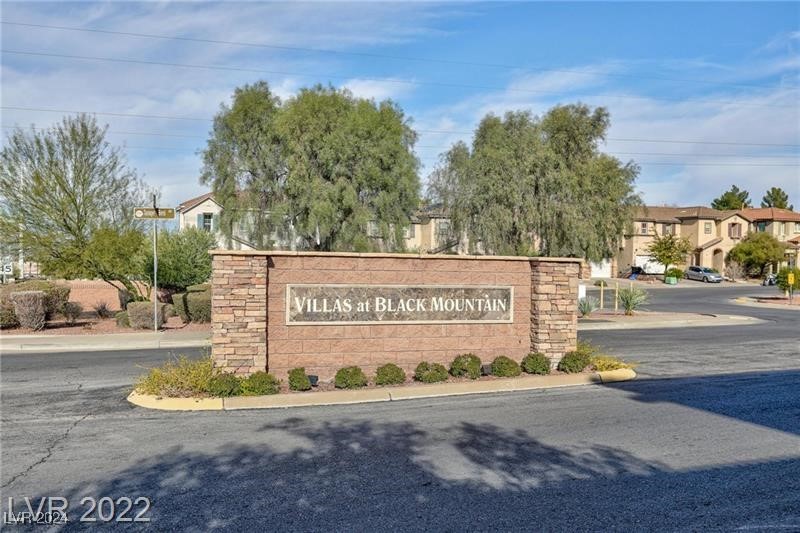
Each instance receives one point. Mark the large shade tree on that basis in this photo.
(538, 186)
(318, 169)
(733, 198)
(776, 197)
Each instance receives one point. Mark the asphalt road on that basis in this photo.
(707, 439)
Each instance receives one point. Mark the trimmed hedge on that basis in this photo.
(123, 320)
(536, 363)
(198, 306)
(430, 372)
(298, 380)
(467, 364)
(389, 374)
(260, 384)
(574, 362)
(55, 295)
(224, 385)
(505, 367)
(179, 305)
(29, 308)
(200, 287)
(140, 315)
(8, 319)
(71, 311)
(350, 377)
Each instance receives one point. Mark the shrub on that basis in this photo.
(102, 310)
(183, 258)
(55, 296)
(505, 367)
(72, 311)
(782, 279)
(140, 315)
(536, 363)
(179, 304)
(298, 380)
(8, 319)
(178, 378)
(29, 307)
(200, 287)
(198, 305)
(260, 384)
(169, 310)
(601, 283)
(467, 364)
(602, 363)
(389, 374)
(632, 299)
(224, 384)
(350, 377)
(587, 305)
(575, 361)
(123, 320)
(674, 272)
(430, 372)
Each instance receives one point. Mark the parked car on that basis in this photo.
(771, 279)
(704, 274)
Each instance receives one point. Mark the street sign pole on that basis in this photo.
(155, 214)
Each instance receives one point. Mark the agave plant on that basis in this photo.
(632, 299)
(587, 305)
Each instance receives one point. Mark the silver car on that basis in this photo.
(705, 274)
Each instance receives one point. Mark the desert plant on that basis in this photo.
(298, 380)
(123, 320)
(467, 364)
(8, 319)
(198, 305)
(782, 279)
(102, 310)
(430, 372)
(224, 384)
(734, 271)
(178, 378)
(602, 363)
(169, 311)
(505, 367)
(55, 295)
(179, 305)
(632, 299)
(260, 384)
(29, 307)
(71, 311)
(200, 287)
(587, 305)
(674, 272)
(140, 315)
(536, 363)
(574, 361)
(350, 377)
(389, 374)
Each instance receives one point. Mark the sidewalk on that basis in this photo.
(95, 343)
(648, 320)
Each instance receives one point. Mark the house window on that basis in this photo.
(410, 231)
(443, 228)
(761, 227)
(667, 229)
(643, 228)
(797, 227)
(735, 231)
(707, 228)
(783, 228)
(207, 221)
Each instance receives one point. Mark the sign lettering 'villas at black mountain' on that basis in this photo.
(393, 304)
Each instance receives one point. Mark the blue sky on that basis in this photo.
(713, 73)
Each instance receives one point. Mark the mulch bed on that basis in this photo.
(89, 324)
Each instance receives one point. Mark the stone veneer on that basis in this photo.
(249, 315)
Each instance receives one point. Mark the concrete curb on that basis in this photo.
(18, 344)
(695, 321)
(387, 394)
(751, 302)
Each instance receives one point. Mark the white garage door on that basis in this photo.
(650, 265)
(601, 269)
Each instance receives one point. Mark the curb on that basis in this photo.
(387, 394)
(696, 321)
(8, 348)
(751, 302)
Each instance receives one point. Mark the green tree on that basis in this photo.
(756, 251)
(670, 250)
(317, 169)
(183, 258)
(538, 185)
(776, 197)
(58, 187)
(734, 198)
(782, 279)
(118, 258)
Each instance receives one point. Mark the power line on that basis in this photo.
(378, 56)
(173, 117)
(119, 132)
(381, 80)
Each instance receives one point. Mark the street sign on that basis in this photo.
(153, 213)
(8, 269)
(790, 278)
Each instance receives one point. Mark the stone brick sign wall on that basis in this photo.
(279, 310)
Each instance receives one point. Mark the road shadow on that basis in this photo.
(368, 476)
(732, 395)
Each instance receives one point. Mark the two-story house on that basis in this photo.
(783, 224)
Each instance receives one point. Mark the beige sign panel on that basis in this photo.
(151, 213)
(397, 304)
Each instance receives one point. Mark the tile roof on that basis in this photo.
(194, 202)
(771, 213)
(676, 214)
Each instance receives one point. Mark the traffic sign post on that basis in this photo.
(790, 281)
(155, 214)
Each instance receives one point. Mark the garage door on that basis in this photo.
(601, 269)
(650, 265)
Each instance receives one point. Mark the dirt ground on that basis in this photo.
(89, 324)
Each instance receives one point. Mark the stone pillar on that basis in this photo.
(554, 307)
(239, 313)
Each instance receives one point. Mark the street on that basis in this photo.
(707, 438)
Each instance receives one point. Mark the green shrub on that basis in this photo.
(298, 380)
(632, 299)
(71, 312)
(179, 304)
(467, 364)
(200, 287)
(8, 319)
(178, 378)
(601, 283)
(350, 377)
(782, 279)
(140, 315)
(602, 363)
(389, 374)
(224, 384)
(536, 363)
(430, 372)
(183, 258)
(587, 305)
(260, 384)
(198, 305)
(102, 310)
(29, 307)
(169, 311)
(505, 367)
(575, 361)
(123, 320)
(55, 296)
(674, 272)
